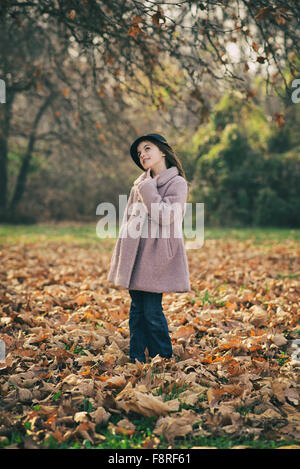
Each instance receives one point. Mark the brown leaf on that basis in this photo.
(81, 300)
(135, 30)
(183, 332)
(137, 19)
(159, 15)
(115, 382)
(278, 390)
(81, 417)
(258, 316)
(25, 395)
(124, 427)
(278, 339)
(261, 59)
(263, 13)
(84, 429)
(143, 403)
(72, 14)
(279, 119)
(181, 424)
(100, 415)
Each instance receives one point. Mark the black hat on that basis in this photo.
(151, 137)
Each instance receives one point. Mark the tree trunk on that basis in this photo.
(5, 116)
(22, 176)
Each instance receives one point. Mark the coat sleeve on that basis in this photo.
(164, 210)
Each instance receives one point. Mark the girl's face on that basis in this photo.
(151, 156)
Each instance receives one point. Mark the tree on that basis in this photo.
(239, 175)
(50, 104)
(119, 47)
(133, 35)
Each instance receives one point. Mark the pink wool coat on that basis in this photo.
(153, 261)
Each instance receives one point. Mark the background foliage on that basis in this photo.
(83, 79)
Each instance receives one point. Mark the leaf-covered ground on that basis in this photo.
(67, 380)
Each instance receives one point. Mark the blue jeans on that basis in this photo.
(148, 326)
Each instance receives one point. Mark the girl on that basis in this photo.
(149, 257)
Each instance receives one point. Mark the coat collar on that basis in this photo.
(162, 178)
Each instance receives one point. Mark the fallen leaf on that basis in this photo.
(124, 427)
(143, 403)
(100, 415)
(181, 424)
(81, 417)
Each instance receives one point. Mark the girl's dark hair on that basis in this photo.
(172, 159)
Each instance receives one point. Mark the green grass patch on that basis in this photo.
(86, 235)
(257, 235)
